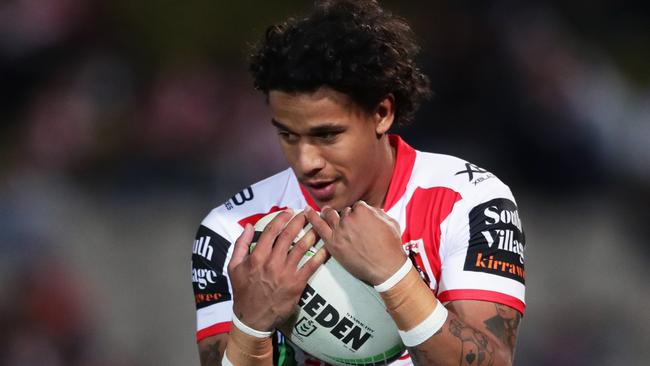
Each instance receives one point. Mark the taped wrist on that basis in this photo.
(246, 350)
(417, 313)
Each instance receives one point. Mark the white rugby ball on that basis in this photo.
(340, 319)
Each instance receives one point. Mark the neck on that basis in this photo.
(378, 191)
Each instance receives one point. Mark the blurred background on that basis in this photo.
(124, 122)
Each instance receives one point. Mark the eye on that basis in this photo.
(287, 136)
(328, 137)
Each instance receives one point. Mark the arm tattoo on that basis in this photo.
(504, 326)
(476, 349)
(210, 355)
(423, 357)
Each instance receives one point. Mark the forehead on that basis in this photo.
(320, 106)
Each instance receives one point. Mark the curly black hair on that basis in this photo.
(352, 46)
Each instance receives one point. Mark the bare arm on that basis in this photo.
(475, 333)
(211, 349)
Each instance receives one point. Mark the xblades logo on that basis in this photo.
(470, 170)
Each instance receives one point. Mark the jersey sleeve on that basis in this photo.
(484, 249)
(211, 253)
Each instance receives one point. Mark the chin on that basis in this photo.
(334, 203)
(340, 204)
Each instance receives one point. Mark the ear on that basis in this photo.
(384, 114)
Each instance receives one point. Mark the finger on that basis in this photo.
(241, 246)
(312, 265)
(346, 212)
(271, 231)
(321, 227)
(361, 205)
(331, 217)
(302, 246)
(287, 236)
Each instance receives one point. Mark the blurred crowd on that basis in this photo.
(123, 123)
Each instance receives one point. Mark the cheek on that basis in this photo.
(350, 158)
(289, 152)
(355, 165)
(343, 158)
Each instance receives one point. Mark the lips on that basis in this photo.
(321, 190)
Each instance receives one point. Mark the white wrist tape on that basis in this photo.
(225, 361)
(427, 328)
(248, 330)
(395, 278)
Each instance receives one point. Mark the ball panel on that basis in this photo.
(339, 319)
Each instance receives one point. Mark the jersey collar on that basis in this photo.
(404, 161)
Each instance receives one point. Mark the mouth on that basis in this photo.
(321, 190)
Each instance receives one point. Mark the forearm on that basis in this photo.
(458, 343)
(211, 349)
(436, 336)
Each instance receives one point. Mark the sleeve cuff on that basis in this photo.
(483, 295)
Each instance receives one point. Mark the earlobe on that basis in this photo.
(385, 114)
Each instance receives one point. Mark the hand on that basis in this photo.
(365, 240)
(267, 283)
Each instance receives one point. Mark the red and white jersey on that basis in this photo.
(459, 222)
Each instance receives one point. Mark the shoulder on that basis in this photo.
(474, 184)
(274, 193)
(482, 242)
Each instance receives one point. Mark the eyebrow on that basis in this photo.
(279, 125)
(320, 129)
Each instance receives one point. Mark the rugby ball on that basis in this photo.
(339, 319)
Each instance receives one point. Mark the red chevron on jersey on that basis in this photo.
(256, 217)
(425, 211)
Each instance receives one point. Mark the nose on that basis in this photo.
(309, 160)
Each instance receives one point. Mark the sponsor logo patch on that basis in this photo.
(212, 297)
(203, 248)
(203, 277)
(497, 240)
(209, 252)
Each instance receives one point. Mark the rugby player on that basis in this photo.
(438, 237)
